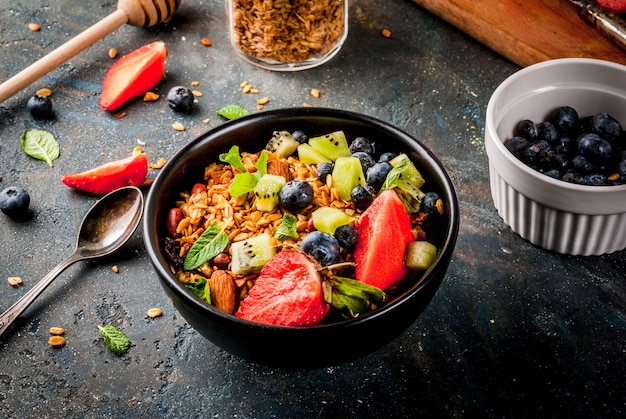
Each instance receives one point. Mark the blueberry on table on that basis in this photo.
(40, 107)
(180, 99)
(14, 201)
(322, 247)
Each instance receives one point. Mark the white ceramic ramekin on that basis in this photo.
(553, 214)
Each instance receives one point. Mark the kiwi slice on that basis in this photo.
(410, 174)
(282, 144)
(328, 219)
(266, 191)
(420, 255)
(332, 145)
(249, 256)
(307, 155)
(347, 174)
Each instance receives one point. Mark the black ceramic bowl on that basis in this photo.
(320, 345)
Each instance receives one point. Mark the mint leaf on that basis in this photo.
(115, 339)
(242, 184)
(233, 158)
(261, 164)
(210, 244)
(200, 289)
(232, 111)
(40, 145)
(287, 229)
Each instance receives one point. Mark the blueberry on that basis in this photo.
(14, 201)
(580, 164)
(527, 129)
(553, 173)
(366, 159)
(595, 179)
(361, 197)
(431, 203)
(180, 99)
(564, 146)
(606, 127)
(362, 144)
(295, 195)
(300, 136)
(323, 247)
(376, 175)
(547, 132)
(565, 119)
(516, 144)
(40, 107)
(561, 162)
(386, 157)
(323, 170)
(595, 148)
(347, 236)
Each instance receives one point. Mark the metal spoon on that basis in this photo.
(106, 227)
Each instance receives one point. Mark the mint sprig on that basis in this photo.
(115, 339)
(211, 243)
(232, 111)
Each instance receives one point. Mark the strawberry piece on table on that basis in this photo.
(384, 231)
(287, 292)
(133, 75)
(615, 6)
(131, 171)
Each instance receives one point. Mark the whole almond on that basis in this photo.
(223, 291)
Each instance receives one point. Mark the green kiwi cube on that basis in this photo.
(410, 174)
(307, 155)
(347, 174)
(249, 256)
(266, 192)
(332, 145)
(282, 144)
(328, 219)
(420, 255)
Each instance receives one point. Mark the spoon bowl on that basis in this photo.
(106, 227)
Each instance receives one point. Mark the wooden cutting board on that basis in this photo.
(527, 31)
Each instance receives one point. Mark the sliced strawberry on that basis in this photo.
(615, 6)
(131, 171)
(384, 231)
(287, 292)
(133, 75)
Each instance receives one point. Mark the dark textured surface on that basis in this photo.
(514, 331)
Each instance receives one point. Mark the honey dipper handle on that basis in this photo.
(63, 53)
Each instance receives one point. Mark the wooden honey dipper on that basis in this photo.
(142, 13)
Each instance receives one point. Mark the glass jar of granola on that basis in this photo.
(287, 35)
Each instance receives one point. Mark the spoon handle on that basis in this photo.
(9, 316)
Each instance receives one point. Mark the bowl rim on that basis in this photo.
(544, 189)
(150, 224)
